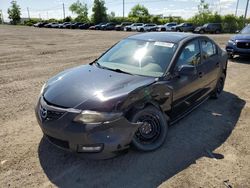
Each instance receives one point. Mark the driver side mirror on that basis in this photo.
(187, 70)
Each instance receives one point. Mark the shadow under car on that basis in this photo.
(193, 137)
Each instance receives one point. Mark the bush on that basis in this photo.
(31, 21)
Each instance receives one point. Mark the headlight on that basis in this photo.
(231, 42)
(87, 116)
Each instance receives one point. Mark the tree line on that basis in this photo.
(138, 13)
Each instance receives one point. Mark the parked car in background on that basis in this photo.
(209, 28)
(108, 26)
(239, 44)
(166, 27)
(122, 25)
(133, 27)
(85, 26)
(40, 24)
(68, 25)
(52, 25)
(131, 94)
(147, 27)
(97, 26)
(61, 25)
(76, 25)
(183, 27)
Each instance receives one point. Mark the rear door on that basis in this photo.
(209, 67)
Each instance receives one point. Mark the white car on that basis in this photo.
(166, 27)
(132, 27)
(147, 27)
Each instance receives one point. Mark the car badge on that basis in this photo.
(43, 112)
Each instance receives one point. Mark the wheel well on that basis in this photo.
(137, 107)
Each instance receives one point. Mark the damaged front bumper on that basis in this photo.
(100, 140)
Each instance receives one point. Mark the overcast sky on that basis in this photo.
(185, 8)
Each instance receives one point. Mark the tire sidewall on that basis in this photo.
(163, 126)
(216, 95)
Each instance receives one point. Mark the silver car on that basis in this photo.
(133, 27)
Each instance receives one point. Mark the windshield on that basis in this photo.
(246, 30)
(139, 57)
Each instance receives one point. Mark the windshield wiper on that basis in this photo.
(120, 71)
(103, 67)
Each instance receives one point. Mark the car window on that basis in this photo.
(246, 30)
(208, 48)
(190, 55)
(147, 58)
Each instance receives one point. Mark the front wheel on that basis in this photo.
(219, 87)
(153, 130)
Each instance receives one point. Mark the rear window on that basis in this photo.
(208, 48)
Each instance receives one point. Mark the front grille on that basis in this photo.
(245, 45)
(53, 115)
(58, 142)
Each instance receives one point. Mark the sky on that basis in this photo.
(185, 8)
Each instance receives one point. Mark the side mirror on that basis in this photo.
(187, 70)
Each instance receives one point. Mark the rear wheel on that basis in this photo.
(153, 130)
(202, 31)
(217, 31)
(219, 87)
(230, 55)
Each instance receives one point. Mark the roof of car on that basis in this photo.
(162, 36)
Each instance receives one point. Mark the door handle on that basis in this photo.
(200, 74)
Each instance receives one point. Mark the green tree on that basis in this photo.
(67, 19)
(14, 13)
(230, 23)
(0, 18)
(111, 17)
(81, 10)
(99, 12)
(139, 11)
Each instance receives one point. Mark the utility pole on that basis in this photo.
(63, 11)
(28, 12)
(123, 7)
(246, 11)
(236, 11)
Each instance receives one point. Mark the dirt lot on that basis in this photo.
(210, 146)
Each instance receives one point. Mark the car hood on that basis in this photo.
(241, 37)
(73, 87)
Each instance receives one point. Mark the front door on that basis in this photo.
(186, 88)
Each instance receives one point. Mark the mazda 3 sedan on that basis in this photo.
(131, 94)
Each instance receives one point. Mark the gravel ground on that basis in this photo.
(208, 148)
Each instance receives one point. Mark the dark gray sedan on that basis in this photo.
(131, 94)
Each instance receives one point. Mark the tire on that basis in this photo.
(230, 56)
(219, 87)
(152, 133)
(217, 32)
(141, 30)
(202, 31)
(163, 29)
